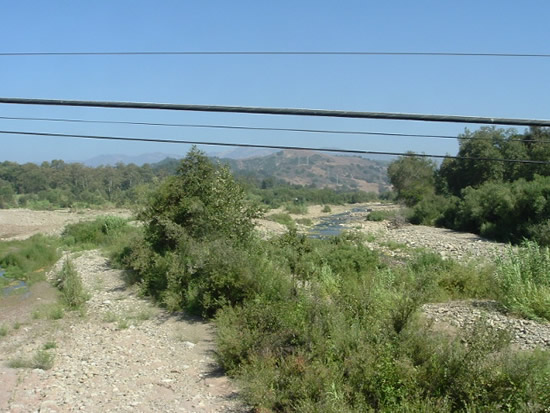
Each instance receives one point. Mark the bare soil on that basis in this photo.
(23, 223)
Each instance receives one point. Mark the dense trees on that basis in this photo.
(198, 228)
(59, 184)
(501, 200)
(412, 178)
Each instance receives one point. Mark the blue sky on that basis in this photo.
(499, 87)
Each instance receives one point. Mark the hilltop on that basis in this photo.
(310, 168)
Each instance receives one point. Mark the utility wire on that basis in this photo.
(273, 53)
(283, 147)
(280, 111)
(257, 128)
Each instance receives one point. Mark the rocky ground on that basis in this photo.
(123, 354)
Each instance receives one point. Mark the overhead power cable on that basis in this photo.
(273, 53)
(282, 147)
(258, 128)
(279, 111)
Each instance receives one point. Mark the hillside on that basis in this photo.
(320, 170)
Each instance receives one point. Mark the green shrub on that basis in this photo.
(326, 209)
(71, 287)
(282, 218)
(296, 208)
(523, 280)
(304, 221)
(41, 360)
(28, 259)
(103, 231)
(383, 215)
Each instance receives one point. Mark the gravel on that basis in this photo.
(124, 354)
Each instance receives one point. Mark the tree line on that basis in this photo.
(58, 184)
(504, 201)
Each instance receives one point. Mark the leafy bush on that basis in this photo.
(326, 209)
(71, 287)
(523, 280)
(282, 218)
(99, 232)
(296, 208)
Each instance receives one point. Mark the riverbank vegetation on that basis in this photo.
(327, 324)
(324, 325)
(505, 201)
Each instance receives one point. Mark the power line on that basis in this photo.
(258, 128)
(282, 147)
(280, 111)
(274, 53)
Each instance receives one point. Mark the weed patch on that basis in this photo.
(42, 359)
(28, 260)
(522, 281)
(71, 287)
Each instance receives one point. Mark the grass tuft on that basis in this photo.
(523, 281)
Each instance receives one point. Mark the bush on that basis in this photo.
(326, 209)
(523, 281)
(296, 208)
(92, 234)
(71, 287)
(283, 219)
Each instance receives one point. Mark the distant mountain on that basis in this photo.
(151, 158)
(243, 153)
(314, 168)
(128, 159)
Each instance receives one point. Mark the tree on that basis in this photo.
(412, 178)
(485, 143)
(203, 202)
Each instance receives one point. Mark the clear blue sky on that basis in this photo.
(501, 87)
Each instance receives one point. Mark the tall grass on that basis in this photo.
(523, 280)
(71, 287)
(346, 336)
(28, 259)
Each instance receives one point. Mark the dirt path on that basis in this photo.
(123, 355)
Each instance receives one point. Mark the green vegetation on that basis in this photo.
(4, 330)
(326, 209)
(49, 345)
(523, 281)
(324, 325)
(500, 200)
(297, 208)
(330, 325)
(71, 287)
(54, 311)
(282, 218)
(27, 260)
(57, 184)
(275, 194)
(41, 360)
(304, 221)
(344, 335)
